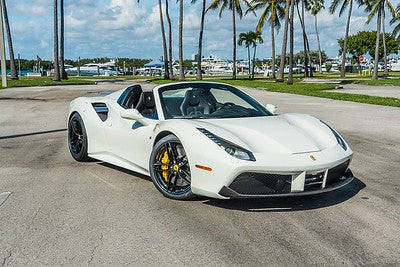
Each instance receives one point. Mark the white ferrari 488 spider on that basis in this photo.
(209, 139)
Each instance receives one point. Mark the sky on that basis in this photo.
(125, 28)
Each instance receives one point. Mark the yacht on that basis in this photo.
(95, 69)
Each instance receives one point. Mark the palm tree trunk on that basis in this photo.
(199, 75)
(305, 40)
(56, 76)
(171, 69)
(386, 71)
(273, 50)
(164, 42)
(234, 38)
(303, 27)
(248, 56)
(64, 75)
(14, 74)
(309, 58)
(291, 43)
(319, 43)
(284, 44)
(254, 61)
(346, 37)
(378, 33)
(181, 70)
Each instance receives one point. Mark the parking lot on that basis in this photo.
(61, 212)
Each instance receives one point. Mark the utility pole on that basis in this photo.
(2, 51)
(79, 66)
(19, 65)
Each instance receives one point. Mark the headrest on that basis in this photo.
(194, 99)
(148, 100)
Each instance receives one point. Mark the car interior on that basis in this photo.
(142, 101)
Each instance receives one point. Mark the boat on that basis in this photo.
(95, 69)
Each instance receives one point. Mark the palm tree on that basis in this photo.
(396, 22)
(171, 70)
(56, 76)
(344, 4)
(377, 7)
(273, 12)
(200, 49)
(14, 74)
(235, 7)
(248, 39)
(305, 39)
(291, 43)
(284, 43)
(315, 6)
(62, 58)
(257, 39)
(181, 71)
(164, 42)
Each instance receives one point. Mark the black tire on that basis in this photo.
(169, 169)
(77, 138)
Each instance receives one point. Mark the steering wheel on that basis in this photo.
(227, 104)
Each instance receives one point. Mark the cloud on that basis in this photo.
(124, 28)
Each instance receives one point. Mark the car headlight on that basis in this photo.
(229, 147)
(338, 138)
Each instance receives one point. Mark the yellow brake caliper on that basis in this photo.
(164, 166)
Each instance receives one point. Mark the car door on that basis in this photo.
(129, 140)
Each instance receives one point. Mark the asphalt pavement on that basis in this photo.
(61, 212)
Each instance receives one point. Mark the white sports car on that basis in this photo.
(209, 139)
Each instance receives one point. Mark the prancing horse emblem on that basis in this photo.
(312, 157)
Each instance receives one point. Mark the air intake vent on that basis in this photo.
(101, 110)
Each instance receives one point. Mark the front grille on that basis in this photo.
(251, 183)
(314, 181)
(336, 173)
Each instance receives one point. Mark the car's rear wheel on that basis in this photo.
(169, 168)
(77, 138)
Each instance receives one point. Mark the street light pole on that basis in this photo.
(2, 51)
(19, 65)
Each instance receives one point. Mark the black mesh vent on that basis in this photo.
(261, 183)
(101, 110)
(336, 173)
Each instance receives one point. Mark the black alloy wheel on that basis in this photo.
(77, 138)
(169, 168)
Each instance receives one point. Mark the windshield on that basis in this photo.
(207, 101)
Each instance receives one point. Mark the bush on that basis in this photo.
(328, 67)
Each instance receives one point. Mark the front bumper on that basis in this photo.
(228, 192)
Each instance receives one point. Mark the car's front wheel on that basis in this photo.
(77, 138)
(169, 168)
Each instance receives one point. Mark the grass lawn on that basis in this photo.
(127, 77)
(309, 89)
(44, 81)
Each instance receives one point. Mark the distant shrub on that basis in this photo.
(328, 67)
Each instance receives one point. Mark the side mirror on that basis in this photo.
(271, 108)
(133, 114)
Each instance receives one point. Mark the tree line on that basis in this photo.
(272, 14)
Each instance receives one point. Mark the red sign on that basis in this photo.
(361, 58)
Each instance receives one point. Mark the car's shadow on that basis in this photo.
(276, 204)
(136, 174)
(285, 204)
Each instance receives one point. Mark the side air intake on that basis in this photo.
(101, 110)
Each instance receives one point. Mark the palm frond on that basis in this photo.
(334, 5)
(343, 8)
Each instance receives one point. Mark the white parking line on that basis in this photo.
(101, 179)
(3, 197)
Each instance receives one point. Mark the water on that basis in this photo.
(23, 72)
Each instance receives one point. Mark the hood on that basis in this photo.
(281, 134)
